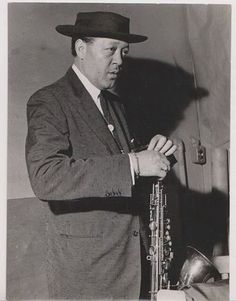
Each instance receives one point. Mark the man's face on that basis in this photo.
(102, 61)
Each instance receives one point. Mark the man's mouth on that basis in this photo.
(114, 74)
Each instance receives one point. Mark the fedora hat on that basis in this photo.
(101, 24)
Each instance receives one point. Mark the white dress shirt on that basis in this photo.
(93, 91)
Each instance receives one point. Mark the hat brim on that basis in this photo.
(73, 31)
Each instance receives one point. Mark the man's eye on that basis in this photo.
(125, 52)
(111, 49)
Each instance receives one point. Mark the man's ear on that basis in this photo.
(80, 48)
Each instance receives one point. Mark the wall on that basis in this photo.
(36, 50)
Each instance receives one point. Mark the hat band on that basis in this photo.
(104, 26)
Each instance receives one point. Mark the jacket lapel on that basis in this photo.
(120, 117)
(88, 110)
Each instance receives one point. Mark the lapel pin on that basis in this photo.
(110, 127)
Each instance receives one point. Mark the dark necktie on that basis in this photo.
(109, 120)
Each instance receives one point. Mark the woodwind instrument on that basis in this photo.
(160, 253)
(196, 268)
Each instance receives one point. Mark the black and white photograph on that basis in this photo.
(118, 151)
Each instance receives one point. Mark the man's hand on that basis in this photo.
(153, 161)
(162, 144)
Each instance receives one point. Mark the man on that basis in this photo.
(80, 160)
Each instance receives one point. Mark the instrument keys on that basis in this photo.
(167, 252)
(168, 227)
(152, 226)
(167, 221)
(152, 251)
(168, 238)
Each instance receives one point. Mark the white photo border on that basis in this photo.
(4, 121)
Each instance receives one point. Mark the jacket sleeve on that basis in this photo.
(54, 173)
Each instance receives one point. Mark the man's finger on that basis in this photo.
(166, 146)
(164, 160)
(163, 166)
(153, 142)
(162, 174)
(160, 143)
(171, 150)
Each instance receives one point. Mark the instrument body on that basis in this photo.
(197, 268)
(160, 253)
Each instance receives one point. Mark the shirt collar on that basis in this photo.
(93, 91)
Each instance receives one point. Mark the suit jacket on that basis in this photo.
(93, 221)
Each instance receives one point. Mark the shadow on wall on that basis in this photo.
(156, 96)
(197, 219)
(205, 220)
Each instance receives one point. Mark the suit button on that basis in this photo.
(135, 233)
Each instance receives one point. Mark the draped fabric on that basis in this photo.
(218, 291)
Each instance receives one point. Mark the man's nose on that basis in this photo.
(118, 58)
